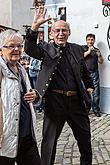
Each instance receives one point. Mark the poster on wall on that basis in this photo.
(106, 2)
(57, 11)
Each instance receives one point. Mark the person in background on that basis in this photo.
(62, 13)
(25, 61)
(93, 56)
(60, 81)
(34, 69)
(18, 142)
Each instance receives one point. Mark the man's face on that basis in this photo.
(60, 33)
(90, 41)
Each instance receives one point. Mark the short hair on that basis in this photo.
(7, 35)
(90, 35)
(66, 23)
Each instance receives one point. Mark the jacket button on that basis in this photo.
(47, 85)
(55, 68)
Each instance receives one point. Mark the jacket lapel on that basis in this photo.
(52, 51)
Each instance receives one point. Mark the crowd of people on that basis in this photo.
(65, 74)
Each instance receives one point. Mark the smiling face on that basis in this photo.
(60, 32)
(12, 49)
(90, 41)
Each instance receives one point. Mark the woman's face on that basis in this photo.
(12, 49)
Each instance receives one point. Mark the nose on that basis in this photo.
(16, 48)
(60, 32)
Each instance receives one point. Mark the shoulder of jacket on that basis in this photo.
(3, 64)
(45, 46)
(76, 46)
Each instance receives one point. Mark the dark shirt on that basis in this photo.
(63, 78)
(25, 112)
(91, 60)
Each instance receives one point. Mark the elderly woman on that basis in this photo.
(17, 118)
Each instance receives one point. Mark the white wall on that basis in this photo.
(15, 14)
(5, 15)
(83, 17)
(21, 14)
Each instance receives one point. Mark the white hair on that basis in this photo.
(62, 21)
(8, 35)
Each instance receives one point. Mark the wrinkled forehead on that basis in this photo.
(61, 24)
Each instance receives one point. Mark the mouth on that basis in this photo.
(61, 39)
(15, 54)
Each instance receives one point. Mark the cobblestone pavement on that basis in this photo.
(67, 150)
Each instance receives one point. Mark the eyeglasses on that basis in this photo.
(60, 30)
(13, 46)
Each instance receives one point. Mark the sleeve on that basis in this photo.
(31, 47)
(85, 75)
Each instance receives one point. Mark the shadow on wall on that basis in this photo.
(104, 72)
(104, 50)
(105, 100)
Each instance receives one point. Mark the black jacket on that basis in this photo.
(50, 57)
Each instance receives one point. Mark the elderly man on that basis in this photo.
(61, 80)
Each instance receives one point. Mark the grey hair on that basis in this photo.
(8, 35)
(66, 23)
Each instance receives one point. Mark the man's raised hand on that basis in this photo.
(39, 18)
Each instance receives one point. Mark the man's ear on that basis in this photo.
(51, 34)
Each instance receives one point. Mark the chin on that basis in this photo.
(61, 43)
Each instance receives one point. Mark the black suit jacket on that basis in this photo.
(50, 57)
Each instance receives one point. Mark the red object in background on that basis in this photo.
(106, 2)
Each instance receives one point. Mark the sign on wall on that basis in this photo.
(56, 11)
(106, 2)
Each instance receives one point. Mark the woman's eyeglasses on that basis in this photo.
(13, 46)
